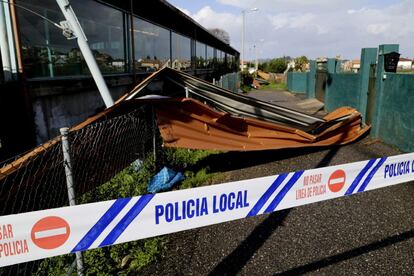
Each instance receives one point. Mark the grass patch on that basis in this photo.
(245, 88)
(274, 86)
(129, 258)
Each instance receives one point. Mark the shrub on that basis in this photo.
(129, 258)
(246, 78)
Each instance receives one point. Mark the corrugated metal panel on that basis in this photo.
(235, 104)
(187, 123)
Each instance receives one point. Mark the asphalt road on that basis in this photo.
(364, 234)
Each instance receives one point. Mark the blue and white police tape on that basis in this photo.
(36, 235)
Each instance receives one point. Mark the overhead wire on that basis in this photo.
(33, 12)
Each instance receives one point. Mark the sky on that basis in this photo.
(314, 28)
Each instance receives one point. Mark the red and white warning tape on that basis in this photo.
(36, 235)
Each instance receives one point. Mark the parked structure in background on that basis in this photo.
(351, 65)
(51, 85)
(405, 63)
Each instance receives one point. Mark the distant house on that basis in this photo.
(118, 63)
(355, 65)
(405, 63)
(245, 65)
(351, 65)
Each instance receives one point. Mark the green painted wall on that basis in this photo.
(342, 90)
(397, 111)
(368, 57)
(331, 65)
(393, 104)
(379, 85)
(297, 82)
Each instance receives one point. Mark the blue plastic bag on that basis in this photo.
(164, 180)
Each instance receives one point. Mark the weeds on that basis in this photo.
(129, 258)
(274, 86)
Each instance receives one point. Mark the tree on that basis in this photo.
(277, 65)
(222, 34)
(300, 63)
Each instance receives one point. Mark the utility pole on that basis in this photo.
(243, 30)
(257, 61)
(242, 41)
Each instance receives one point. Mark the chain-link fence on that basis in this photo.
(99, 151)
(230, 82)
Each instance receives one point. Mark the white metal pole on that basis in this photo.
(4, 47)
(257, 61)
(10, 37)
(70, 16)
(49, 52)
(242, 41)
(69, 183)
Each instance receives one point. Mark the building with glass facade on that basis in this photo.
(129, 39)
(123, 39)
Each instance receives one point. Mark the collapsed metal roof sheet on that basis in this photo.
(188, 123)
(247, 124)
(235, 104)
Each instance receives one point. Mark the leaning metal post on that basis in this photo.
(187, 92)
(77, 30)
(69, 182)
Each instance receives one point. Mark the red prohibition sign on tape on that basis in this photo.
(50, 232)
(337, 181)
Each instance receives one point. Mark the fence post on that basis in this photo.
(368, 57)
(154, 134)
(69, 183)
(379, 86)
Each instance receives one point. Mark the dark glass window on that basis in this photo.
(210, 57)
(200, 55)
(220, 57)
(181, 52)
(104, 28)
(230, 62)
(47, 53)
(152, 46)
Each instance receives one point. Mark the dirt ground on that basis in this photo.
(363, 234)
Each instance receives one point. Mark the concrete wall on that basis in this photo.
(297, 82)
(342, 90)
(67, 102)
(396, 123)
(53, 113)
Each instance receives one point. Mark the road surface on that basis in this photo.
(363, 234)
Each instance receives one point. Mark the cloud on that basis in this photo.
(314, 28)
(378, 28)
(301, 22)
(187, 12)
(209, 18)
(276, 6)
